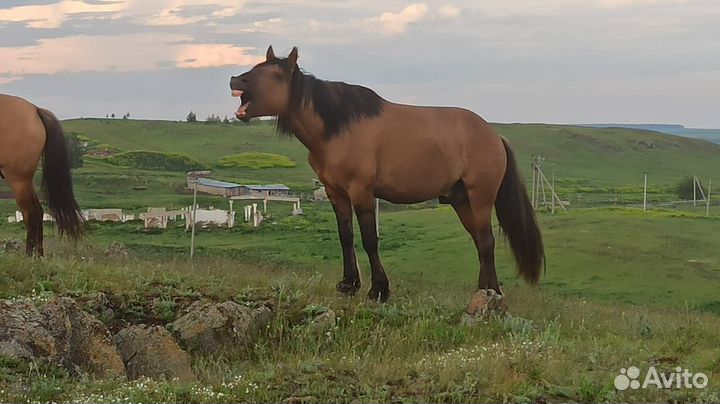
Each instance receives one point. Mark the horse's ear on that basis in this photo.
(270, 55)
(292, 58)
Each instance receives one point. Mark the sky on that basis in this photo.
(557, 61)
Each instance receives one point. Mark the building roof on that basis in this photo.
(273, 187)
(216, 184)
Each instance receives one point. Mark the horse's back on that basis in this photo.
(22, 134)
(421, 152)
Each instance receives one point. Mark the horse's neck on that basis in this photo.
(308, 128)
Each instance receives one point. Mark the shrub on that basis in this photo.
(684, 189)
(256, 160)
(156, 161)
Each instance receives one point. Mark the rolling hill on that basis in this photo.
(606, 157)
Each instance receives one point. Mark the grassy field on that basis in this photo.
(550, 348)
(622, 287)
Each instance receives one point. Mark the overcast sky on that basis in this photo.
(560, 61)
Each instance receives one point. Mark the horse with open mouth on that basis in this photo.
(362, 146)
(28, 133)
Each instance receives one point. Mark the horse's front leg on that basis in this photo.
(365, 211)
(350, 283)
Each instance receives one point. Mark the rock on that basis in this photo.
(22, 334)
(483, 304)
(117, 249)
(96, 302)
(322, 322)
(11, 245)
(152, 352)
(83, 343)
(211, 327)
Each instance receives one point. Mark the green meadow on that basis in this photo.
(622, 287)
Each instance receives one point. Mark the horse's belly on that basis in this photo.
(415, 185)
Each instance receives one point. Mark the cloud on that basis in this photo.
(172, 12)
(126, 53)
(397, 23)
(52, 16)
(449, 11)
(633, 3)
(215, 55)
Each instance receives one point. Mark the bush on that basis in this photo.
(684, 189)
(256, 160)
(156, 161)
(75, 150)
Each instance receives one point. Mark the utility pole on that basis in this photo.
(532, 196)
(707, 206)
(553, 190)
(645, 194)
(377, 217)
(194, 216)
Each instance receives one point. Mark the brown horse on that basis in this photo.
(362, 146)
(25, 132)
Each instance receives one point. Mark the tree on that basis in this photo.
(685, 187)
(112, 116)
(226, 120)
(191, 117)
(75, 150)
(213, 119)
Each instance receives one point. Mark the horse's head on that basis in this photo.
(265, 89)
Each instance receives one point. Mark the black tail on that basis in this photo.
(56, 179)
(517, 219)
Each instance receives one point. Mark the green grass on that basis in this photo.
(623, 287)
(550, 348)
(256, 160)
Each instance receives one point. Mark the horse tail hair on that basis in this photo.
(57, 180)
(517, 219)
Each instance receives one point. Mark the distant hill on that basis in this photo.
(712, 135)
(581, 155)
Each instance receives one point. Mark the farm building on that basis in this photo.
(193, 175)
(215, 187)
(266, 190)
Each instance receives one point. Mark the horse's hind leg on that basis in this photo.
(476, 218)
(32, 212)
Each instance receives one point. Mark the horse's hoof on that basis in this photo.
(379, 294)
(348, 289)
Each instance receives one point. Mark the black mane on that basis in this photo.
(338, 104)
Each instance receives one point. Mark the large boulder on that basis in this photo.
(22, 334)
(152, 352)
(83, 343)
(212, 327)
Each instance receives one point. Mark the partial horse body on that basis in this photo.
(28, 133)
(362, 146)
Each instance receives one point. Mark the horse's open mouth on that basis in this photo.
(245, 102)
